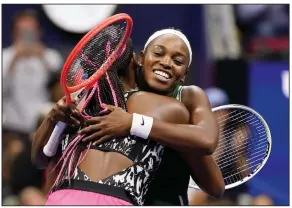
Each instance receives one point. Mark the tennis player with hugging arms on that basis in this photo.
(119, 167)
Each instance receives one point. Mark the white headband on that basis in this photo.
(174, 32)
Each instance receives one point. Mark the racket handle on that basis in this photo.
(51, 147)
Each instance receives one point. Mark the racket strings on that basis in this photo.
(110, 89)
(225, 167)
(239, 175)
(241, 151)
(95, 53)
(110, 84)
(227, 133)
(244, 168)
(99, 97)
(243, 148)
(108, 92)
(242, 145)
(261, 139)
(232, 133)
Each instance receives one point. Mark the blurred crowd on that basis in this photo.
(264, 30)
(31, 72)
(31, 85)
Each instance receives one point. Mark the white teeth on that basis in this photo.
(161, 73)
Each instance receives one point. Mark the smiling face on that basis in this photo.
(165, 62)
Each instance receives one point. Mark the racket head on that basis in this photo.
(258, 125)
(82, 68)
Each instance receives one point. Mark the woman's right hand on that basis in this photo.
(62, 112)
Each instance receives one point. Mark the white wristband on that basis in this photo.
(141, 125)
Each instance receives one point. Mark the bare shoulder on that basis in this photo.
(193, 90)
(142, 96)
(152, 99)
(194, 96)
(158, 106)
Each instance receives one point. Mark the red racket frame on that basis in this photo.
(87, 84)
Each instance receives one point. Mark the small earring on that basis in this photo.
(182, 80)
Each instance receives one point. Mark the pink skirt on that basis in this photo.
(79, 197)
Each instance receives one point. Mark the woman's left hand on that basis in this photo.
(102, 128)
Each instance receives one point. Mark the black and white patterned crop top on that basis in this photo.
(146, 156)
(131, 147)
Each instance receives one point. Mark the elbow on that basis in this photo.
(33, 156)
(218, 188)
(209, 146)
(40, 161)
(35, 161)
(218, 193)
(38, 158)
(221, 192)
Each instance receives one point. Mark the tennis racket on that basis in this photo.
(244, 144)
(94, 54)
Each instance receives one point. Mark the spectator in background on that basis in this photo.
(26, 66)
(264, 30)
(217, 96)
(22, 182)
(12, 147)
(262, 200)
(31, 196)
(264, 19)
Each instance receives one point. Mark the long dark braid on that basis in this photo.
(108, 90)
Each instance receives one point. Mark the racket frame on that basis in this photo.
(192, 184)
(87, 84)
(51, 147)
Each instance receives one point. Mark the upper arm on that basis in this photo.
(208, 176)
(201, 114)
(161, 107)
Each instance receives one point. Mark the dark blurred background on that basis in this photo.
(239, 51)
